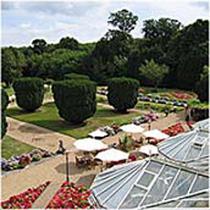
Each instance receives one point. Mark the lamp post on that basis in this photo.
(67, 166)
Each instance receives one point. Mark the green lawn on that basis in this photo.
(12, 147)
(48, 117)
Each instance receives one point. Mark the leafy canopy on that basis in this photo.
(153, 71)
(124, 20)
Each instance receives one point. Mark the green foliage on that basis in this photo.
(156, 107)
(74, 76)
(124, 20)
(39, 45)
(161, 31)
(75, 99)
(202, 86)
(68, 43)
(195, 103)
(188, 53)
(154, 72)
(13, 62)
(4, 104)
(29, 93)
(122, 93)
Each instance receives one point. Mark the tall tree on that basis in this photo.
(68, 43)
(39, 45)
(202, 88)
(154, 72)
(124, 20)
(188, 53)
(13, 63)
(161, 31)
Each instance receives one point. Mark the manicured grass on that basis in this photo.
(12, 147)
(48, 117)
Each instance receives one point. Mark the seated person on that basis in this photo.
(61, 149)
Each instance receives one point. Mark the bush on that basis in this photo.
(75, 99)
(29, 93)
(76, 76)
(122, 93)
(4, 104)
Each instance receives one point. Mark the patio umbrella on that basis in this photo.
(89, 145)
(149, 150)
(98, 134)
(157, 134)
(132, 128)
(112, 155)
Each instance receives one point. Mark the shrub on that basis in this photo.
(74, 76)
(75, 99)
(122, 93)
(29, 93)
(4, 104)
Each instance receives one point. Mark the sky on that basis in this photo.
(24, 21)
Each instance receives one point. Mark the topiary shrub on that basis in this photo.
(4, 104)
(29, 92)
(76, 76)
(75, 99)
(122, 93)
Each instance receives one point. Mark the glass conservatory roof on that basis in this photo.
(149, 183)
(202, 125)
(190, 146)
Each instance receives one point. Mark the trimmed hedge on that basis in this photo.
(76, 76)
(122, 93)
(4, 104)
(29, 93)
(75, 99)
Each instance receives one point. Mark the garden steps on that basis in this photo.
(46, 196)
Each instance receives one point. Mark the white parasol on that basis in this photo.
(112, 155)
(98, 134)
(89, 145)
(156, 134)
(132, 128)
(149, 150)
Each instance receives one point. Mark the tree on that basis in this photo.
(154, 72)
(29, 92)
(161, 31)
(39, 45)
(124, 20)
(202, 85)
(122, 93)
(4, 104)
(68, 43)
(13, 63)
(75, 99)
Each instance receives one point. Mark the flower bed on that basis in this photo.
(70, 196)
(24, 200)
(182, 95)
(18, 162)
(174, 129)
